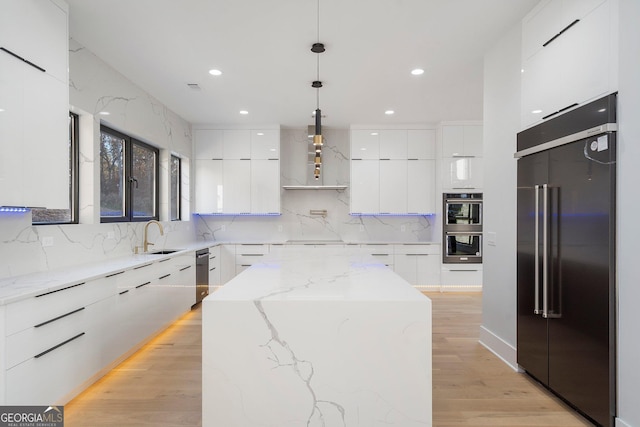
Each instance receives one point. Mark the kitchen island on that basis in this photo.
(317, 337)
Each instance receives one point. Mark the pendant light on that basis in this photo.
(317, 48)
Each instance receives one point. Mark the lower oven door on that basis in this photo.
(462, 247)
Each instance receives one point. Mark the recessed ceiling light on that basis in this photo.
(244, 112)
(522, 70)
(374, 133)
(104, 113)
(389, 112)
(536, 112)
(1, 110)
(215, 72)
(417, 71)
(260, 133)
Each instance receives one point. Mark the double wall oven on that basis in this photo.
(462, 228)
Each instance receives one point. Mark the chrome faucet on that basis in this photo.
(145, 242)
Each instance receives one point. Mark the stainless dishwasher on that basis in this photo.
(202, 274)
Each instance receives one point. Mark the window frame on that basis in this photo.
(129, 181)
(178, 187)
(74, 173)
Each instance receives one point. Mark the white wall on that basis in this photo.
(628, 207)
(501, 123)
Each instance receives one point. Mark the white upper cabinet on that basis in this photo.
(35, 100)
(568, 56)
(421, 144)
(237, 171)
(461, 156)
(208, 144)
(365, 144)
(237, 144)
(393, 144)
(393, 171)
(265, 189)
(393, 186)
(265, 144)
(209, 186)
(421, 186)
(43, 41)
(365, 186)
(462, 141)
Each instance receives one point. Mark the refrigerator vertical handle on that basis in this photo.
(545, 250)
(536, 256)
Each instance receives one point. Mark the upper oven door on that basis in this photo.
(462, 212)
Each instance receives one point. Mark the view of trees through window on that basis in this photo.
(128, 178)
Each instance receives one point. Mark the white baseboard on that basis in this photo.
(620, 423)
(505, 351)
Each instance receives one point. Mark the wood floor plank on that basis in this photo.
(161, 385)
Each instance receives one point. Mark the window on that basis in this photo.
(69, 215)
(128, 178)
(175, 168)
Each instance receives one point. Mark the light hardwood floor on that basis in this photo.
(161, 384)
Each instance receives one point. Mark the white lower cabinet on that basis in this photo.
(418, 264)
(214, 268)
(461, 277)
(383, 253)
(58, 342)
(227, 263)
(249, 254)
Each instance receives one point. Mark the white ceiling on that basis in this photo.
(263, 49)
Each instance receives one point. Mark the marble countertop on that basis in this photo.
(332, 274)
(16, 288)
(20, 287)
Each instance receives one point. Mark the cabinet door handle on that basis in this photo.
(144, 284)
(114, 274)
(58, 318)
(58, 345)
(22, 59)
(60, 290)
(560, 33)
(185, 268)
(164, 277)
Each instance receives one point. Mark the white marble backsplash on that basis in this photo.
(23, 249)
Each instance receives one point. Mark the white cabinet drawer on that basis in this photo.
(47, 379)
(461, 278)
(416, 249)
(45, 336)
(251, 249)
(46, 306)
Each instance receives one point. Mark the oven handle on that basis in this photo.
(466, 233)
(470, 201)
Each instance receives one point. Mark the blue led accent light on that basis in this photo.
(14, 209)
(239, 214)
(392, 214)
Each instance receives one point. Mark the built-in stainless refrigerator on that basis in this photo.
(566, 256)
